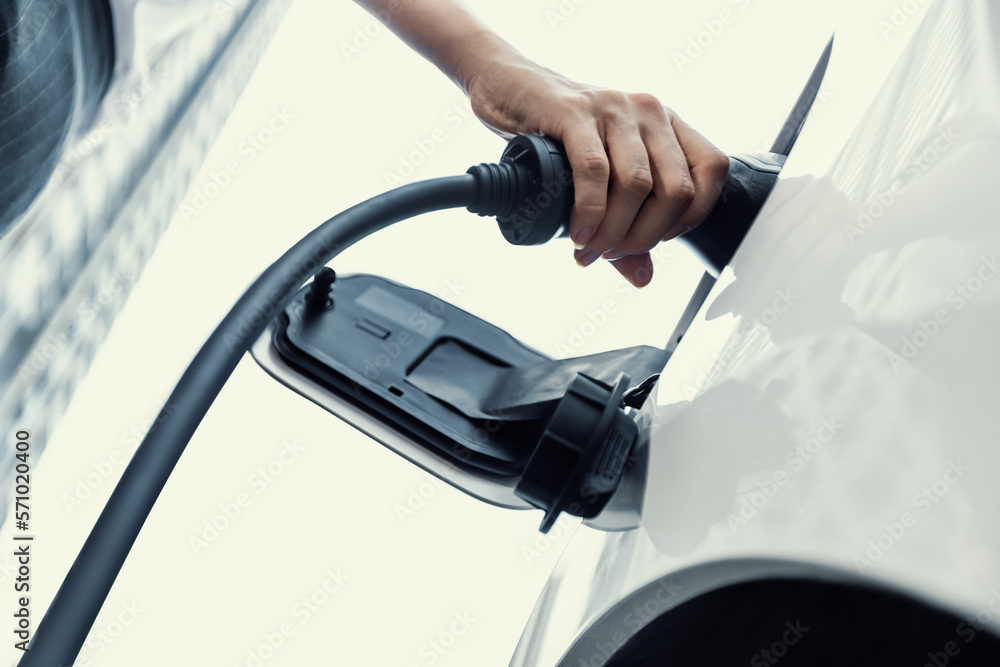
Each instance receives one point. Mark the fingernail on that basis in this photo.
(642, 275)
(582, 236)
(588, 258)
(613, 255)
(675, 231)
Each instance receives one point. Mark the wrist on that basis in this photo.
(476, 54)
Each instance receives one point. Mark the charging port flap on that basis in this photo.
(467, 390)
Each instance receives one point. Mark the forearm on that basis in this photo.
(641, 175)
(446, 33)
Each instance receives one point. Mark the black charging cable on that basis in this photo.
(486, 189)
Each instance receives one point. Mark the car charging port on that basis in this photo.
(555, 433)
(582, 453)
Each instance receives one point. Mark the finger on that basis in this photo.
(708, 168)
(631, 183)
(673, 192)
(591, 168)
(637, 269)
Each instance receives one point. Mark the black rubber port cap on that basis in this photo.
(581, 456)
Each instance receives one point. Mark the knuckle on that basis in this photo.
(681, 189)
(593, 165)
(718, 165)
(638, 181)
(648, 104)
(611, 105)
(614, 98)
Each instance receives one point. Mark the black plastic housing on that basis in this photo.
(373, 334)
(748, 183)
(379, 346)
(586, 444)
(530, 192)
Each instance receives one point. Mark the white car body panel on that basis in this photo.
(832, 412)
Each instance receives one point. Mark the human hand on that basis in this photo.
(641, 174)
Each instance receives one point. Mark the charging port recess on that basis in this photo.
(378, 334)
(484, 402)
